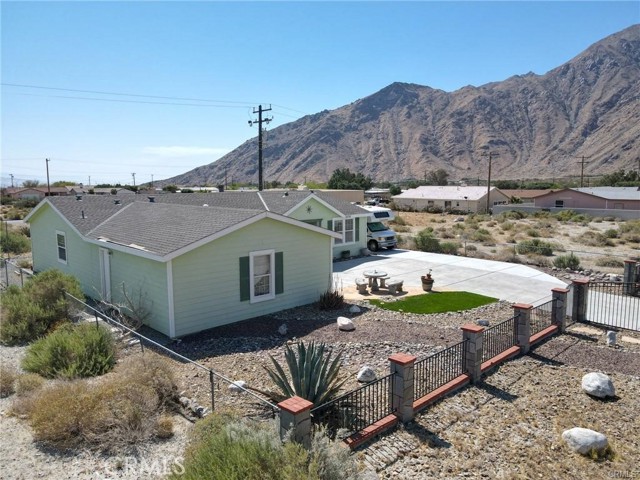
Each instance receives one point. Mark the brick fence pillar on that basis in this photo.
(630, 276)
(580, 292)
(559, 308)
(295, 414)
(402, 398)
(522, 313)
(473, 351)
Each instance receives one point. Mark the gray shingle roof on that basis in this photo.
(164, 228)
(91, 211)
(612, 193)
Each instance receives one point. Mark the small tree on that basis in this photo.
(343, 178)
(426, 242)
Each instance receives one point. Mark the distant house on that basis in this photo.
(525, 196)
(90, 190)
(602, 198)
(450, 198)
(35, 193)
(199, 260)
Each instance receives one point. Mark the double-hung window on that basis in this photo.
(262, 275)
(61, 240)
(346, 227)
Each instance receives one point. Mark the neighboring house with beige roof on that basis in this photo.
(449, 198)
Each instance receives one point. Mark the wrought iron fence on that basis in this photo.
(356, 410)
(499, 338)
(541, 317)
(79, 310)
(614, 304)
(438, 369)
(13, 274)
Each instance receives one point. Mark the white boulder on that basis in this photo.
(612, 338)
(346, 324)
(282, 329)
(483, 323)
(598, 385)
(237, 386)
(354, 309)
(366, 374)
(583, 440)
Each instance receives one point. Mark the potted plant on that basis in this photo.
(427, 281)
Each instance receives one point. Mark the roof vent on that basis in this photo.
(78, 197)
(286, 194)
(205, 204)
(116, 202)
(83, 216)
(152, 199)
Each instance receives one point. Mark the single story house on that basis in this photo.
(198, 261)
(449, 198)
(602, 198)
(34, 193)
(525, 196)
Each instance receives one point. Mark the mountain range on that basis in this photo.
(539, 126)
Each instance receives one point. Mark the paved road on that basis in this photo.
(505, 281)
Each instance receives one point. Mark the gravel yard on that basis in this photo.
(507, 427)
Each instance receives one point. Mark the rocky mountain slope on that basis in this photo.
(540, 125)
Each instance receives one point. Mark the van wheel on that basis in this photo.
(372, 245)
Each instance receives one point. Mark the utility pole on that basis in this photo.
(582, 162)
(11, 174)
(490, 154)
(152, 182)
(89, 180)
(260, 122)
(134, 179)
(48, 186)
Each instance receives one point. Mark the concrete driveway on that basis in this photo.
(505, 281)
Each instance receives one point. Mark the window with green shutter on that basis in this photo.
(261, 275)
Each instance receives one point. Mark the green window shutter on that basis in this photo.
(330, 224)
(245, 283)
(357, 229)
(279, 272)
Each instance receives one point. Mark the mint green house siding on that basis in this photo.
(313, 210)
(206, 281)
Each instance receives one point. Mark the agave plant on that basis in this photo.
(314, 376)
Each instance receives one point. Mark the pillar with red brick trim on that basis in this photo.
(522, 314)
(473, 351)
(402, 397)
(580, 292)
(295, 414)
(559, 308)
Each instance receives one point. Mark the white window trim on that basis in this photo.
(272, 276)
(343, 231)
(66, 250)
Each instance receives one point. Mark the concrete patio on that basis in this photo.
(502, 280)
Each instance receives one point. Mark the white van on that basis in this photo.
(378, 234)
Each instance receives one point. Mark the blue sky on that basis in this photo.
(181, 79)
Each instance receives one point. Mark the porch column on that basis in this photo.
(522, 312)
(559, 308)
(402, 396)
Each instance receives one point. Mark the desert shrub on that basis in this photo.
(506, 226)
(481, 235)
(164, 426)
(450, 248)
(507, 255)
(594, 239)
(15, 243)
(153, 371)
(28, 383)
(402, 228)
(532, 232)
(225, 447)
(511, 215)
(567, 261)
(610, 262)
(426, 242)
(398, 221)
(113, 415)
(611, 233)
(71, 351)
(7, 381)
(331, 300)
(32, 311)
(471, 248)
(539, 260)
(535, 247)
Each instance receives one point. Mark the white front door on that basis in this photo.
(105, 275)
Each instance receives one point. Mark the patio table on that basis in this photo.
(373, 276)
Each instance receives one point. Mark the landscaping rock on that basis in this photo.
(354, 309)
(367, 374)
(282, 330)
(598, 385)
(346, 324)
(583, 440)
(612, 338)
(237, 386)
(483, 323)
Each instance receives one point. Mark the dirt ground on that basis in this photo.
(600, 244)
